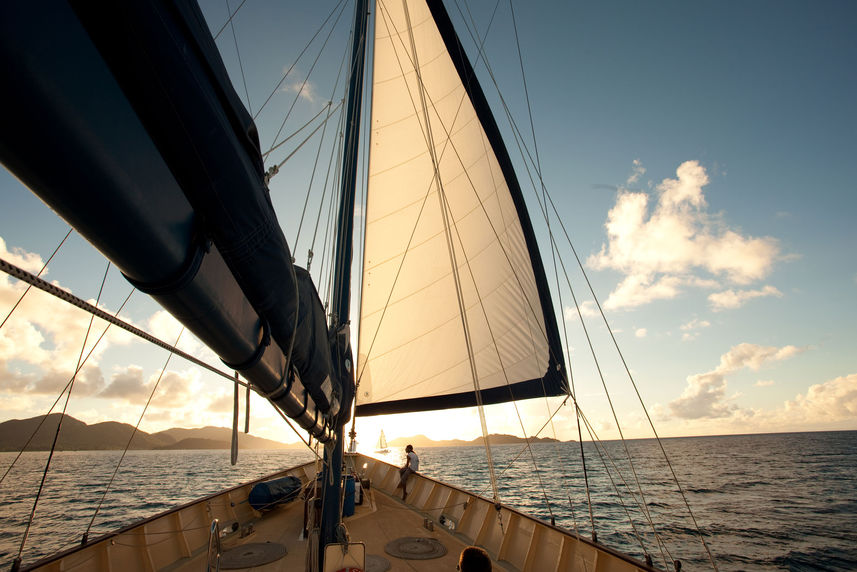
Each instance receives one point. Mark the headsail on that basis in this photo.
(453, 285)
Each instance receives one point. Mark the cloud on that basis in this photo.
(731, 299)
(46, 332)
(304, 88)
(637, 171)
(695, 324)
(689, 328)
(660, 249)
(705, 394)
(765, 383)
(641, 332)
(29, 261)
(834, 400)
(588, 309)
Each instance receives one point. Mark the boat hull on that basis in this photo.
(179, 539)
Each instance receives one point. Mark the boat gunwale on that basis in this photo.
(564, 531)
(298, 469)
(138, 523)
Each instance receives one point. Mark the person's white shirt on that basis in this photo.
(413, 461)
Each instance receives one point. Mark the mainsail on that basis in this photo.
(454, 295)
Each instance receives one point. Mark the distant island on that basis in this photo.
(111, 435)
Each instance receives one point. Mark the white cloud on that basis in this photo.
(765, 383)
(731, 299)
(705, 394)
(637, 171)
(641, 332)
(834, 400)
(659, 249)
(588, 309)
(304, 88)
(28, 261)
(695, 324)
(689, 329)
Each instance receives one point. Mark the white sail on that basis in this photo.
(382, 443)
(446, 229)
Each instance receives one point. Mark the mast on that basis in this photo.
(341, 298)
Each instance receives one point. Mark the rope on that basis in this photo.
(59, 427)
(524, 149)
(300, 55)
(45, 286)
(312, 175)
(44, 266)
(309, 73)
(131, 438)
(240, 64)
(598, 443)
(45, 417)
(228, 20)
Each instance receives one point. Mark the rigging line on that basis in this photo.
(598, 443)
(131, 438)
(640, 398)
(304, 142)
(571, 388)
(659, 542)
(544, 191)
(633, 383)
(228, 20)
(240, 64)
(312, 178)
(330, 165)
(537, 162)
(425, 197)
(44, 266)
(296, 131)
(315, 166)
(503, 367)
(539, 170)
(329, 229)
(445, 211)
(309, 73)
(300, 436)
(41, 284)
(57, 400)
(364, 193)
(300, 55)
(335, 149)
(521, 452)
(609, 398)
(59, 426)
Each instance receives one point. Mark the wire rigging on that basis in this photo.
(240, 64)
(26, 534)
(130, 439)
(44, 267)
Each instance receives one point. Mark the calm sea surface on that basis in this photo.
(763, 502)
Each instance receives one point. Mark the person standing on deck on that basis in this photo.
(412, 464)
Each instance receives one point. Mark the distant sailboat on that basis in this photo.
(382, 447)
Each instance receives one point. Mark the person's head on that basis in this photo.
(474, 559)
(409, 448)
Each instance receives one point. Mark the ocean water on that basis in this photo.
(762, 502)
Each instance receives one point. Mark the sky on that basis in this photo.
(702, 159)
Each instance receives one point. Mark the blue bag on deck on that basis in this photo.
(268, 494)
